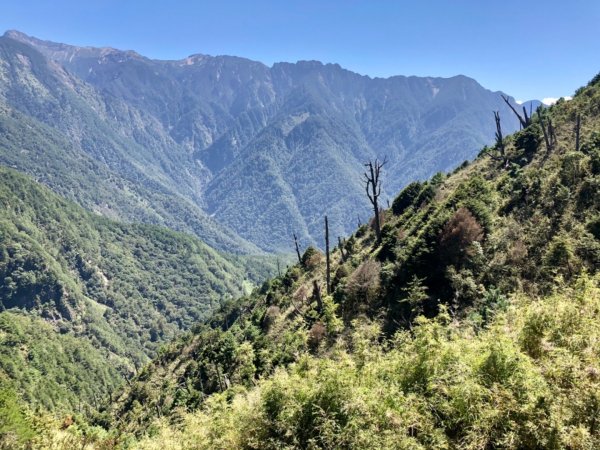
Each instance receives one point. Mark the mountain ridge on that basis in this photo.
(214, 126)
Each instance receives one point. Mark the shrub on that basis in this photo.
(528, 140)
(292, 275)
(560, 257)
(593, 227)
(15, 427)
(340, 273)
(407, 197)
(271, 315)
(457, 236)
(311, 258)
(362, 287)
(426, 195)
(317, 333)
(573, 168)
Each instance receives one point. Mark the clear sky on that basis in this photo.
(527, 48)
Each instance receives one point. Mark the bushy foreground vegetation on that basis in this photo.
(530, 379)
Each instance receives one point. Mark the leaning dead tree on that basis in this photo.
(525, 121)
(328, 266)
(297, 249)
(372, 180)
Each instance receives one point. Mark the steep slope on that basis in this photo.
(109, 293)
(100, 152)
(472, 325)
(248, 143)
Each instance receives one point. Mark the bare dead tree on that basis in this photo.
(526, 121)
(372, 180)
(327, 262)
(551, 133)
(359, 223)
(278, 268)
(499, 142)
(297, 249)
(499, 137)
(547, 130)
(577, 131)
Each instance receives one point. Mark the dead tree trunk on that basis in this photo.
(548, 131)
(551, 133)
(499, 137)
(577, 130)
(499, 142)
(546, 139)
(327, 261)
(297, 249)
(525, 122)
(372, 180)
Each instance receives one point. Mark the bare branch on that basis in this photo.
(524, 123)
(297, 249)
(373, 189)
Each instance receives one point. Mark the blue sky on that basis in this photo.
(528, 48)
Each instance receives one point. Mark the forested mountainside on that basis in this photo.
(86, 301)
(265, 151)
(474, 323)
(97, 151)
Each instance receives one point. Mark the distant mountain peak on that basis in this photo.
(193, 59)
(63, 52)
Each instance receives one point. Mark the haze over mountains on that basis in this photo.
(238, 153)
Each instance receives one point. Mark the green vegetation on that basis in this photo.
(55, 371)
(15, 425)
(87, 300)
(530, 379)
